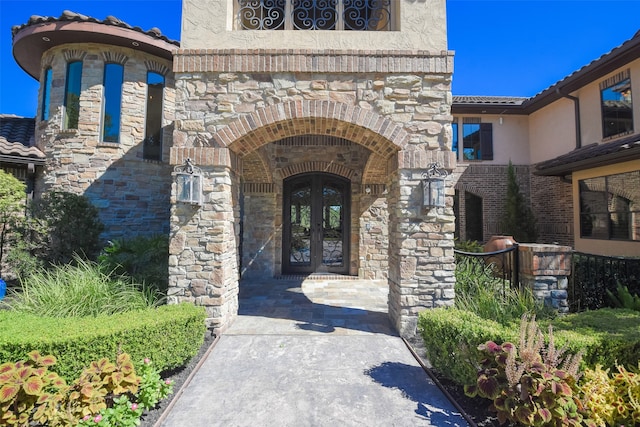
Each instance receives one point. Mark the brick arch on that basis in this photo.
(376, 170)
(319, 166)
(255, 169)
(379, 134)
(478, 191)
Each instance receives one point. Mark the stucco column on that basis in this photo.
(203, 250)
(421, 259)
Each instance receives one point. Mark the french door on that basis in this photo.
(316, 224)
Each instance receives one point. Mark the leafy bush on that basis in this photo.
(530, 384)
(77, 290)
(612, 401)
(12, 201)
(607, 337)
(63, 224)
(518, 219)
(145, 259)
(31, 393)
(469, 246)
(169, 335)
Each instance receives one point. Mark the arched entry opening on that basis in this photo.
(316, 224)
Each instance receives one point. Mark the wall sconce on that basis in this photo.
(433, 187)
(189, 183)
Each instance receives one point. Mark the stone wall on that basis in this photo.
(393, 110)
(132, 194)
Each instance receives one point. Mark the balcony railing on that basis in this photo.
(349, 15)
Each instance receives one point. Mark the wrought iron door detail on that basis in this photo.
(316, 224)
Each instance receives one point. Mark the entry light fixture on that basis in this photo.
(189, 183)
(433, 187)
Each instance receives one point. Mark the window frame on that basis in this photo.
(484, 150)
(612, 116)
(610, 197)
(47, 84)
(149, 122)
(109, 102)
(72, 82)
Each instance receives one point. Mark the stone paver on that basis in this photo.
(312, 353)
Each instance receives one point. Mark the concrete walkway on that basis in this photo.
(312, 353)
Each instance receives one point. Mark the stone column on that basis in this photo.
(203, 250)
(421, 259)
(546, 270)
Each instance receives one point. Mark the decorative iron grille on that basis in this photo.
(354, 15)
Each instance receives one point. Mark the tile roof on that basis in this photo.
(68, 15)
(17, 139)
(592, 155)
(491, 100)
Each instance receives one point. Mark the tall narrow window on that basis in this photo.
(454, 138)
(152, 147)
(72, 95)
(46, 94)
(617, 109)
(113, 78)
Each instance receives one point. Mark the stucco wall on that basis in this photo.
(210, 24)
(552, 131)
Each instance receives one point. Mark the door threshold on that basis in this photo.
(316, 276)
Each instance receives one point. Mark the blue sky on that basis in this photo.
(503, 47)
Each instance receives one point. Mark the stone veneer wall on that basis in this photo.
(490, 183)
(132, 194)
(546, 269)
(233, 104)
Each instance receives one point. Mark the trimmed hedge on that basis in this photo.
(169, 335)
(452, 336)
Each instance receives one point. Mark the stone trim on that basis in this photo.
(114, 57)
(311, 61)
(328, 167)
(74, 55)
(156, 67)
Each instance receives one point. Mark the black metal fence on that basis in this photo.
(504, 263)
(592, 275)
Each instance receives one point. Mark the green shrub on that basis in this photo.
(623, 298)
(469, 246)
(145, 259)
(606, 337)
(78, 290)
(62, 224)
(169, 335)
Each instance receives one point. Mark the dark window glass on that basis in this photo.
(610, 207)
(113, 78)
(152, 147)
(617, 109)
(471, 141)
(72, 95)
(454, 141)
(46, 94)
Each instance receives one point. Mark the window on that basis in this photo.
(46, 95)
(113, 78)
(477, 139)
(454, 139)
(349, 15)
(72, 95)
(610, 207)
(617, 109)
(152, 146)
